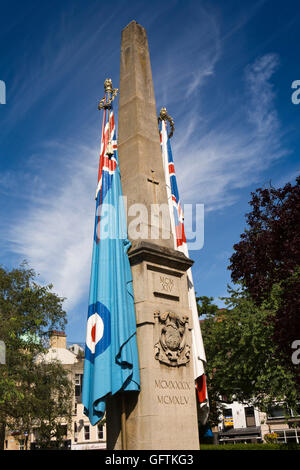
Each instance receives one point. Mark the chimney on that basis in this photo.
(58, 339)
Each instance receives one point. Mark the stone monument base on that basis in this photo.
(163, 416)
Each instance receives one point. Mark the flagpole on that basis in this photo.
(123, 423)
(105, 103)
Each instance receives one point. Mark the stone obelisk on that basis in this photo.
(163, 415)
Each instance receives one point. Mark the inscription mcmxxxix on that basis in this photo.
(163, 384)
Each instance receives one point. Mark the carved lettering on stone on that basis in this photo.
(167, 283)
(172, 399)
(172, 384)
(171, 347)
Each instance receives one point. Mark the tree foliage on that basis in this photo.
(243, 362)
(52, 397)
(28, 313)
(268, 255)
(205, 306)
(269, 250)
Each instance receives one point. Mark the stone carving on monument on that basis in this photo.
(172, 348)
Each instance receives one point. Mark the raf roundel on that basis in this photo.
(98, 335)
(95, 329)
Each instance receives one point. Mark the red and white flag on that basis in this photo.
(180, 244)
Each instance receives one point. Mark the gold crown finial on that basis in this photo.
(108, 85)
(163, 116)
(110, 94)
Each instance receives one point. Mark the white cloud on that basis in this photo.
(55, 232)
(234, 152)
(262, 112)
(181, 68)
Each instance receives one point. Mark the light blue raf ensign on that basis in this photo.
(111, 356)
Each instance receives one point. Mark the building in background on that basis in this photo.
(242, 423)
(282, 421)
(81, 436)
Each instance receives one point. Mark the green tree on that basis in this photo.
(53, 398)
(44, 405)
(243, 361)
(268, 255)
(28, 312)
(205, 306)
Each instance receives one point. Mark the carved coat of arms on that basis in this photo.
(172, 348)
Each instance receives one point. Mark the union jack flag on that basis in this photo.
(107, 165)
(178, 217)
(177, 223)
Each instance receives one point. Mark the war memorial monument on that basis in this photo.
(163, 414)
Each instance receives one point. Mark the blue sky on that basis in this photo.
(223, 70)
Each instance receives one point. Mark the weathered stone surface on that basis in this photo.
(163, 415)
(139, 150)
(144, 250)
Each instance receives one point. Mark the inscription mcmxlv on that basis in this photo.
(172, 399)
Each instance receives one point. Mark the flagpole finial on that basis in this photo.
(110, 94)
(164, 116)
(108, 85)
